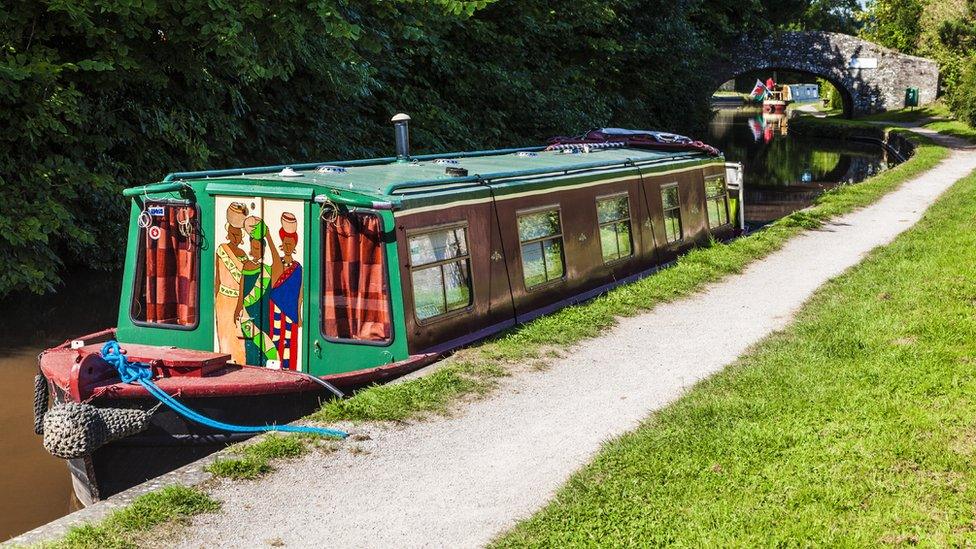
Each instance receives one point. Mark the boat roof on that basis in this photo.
(386, 178)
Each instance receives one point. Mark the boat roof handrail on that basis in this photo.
(545, 171)
(177, 181)
(257, 170)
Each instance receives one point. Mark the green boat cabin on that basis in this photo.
(333, 268)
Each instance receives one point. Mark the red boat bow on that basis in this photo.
(82, 374)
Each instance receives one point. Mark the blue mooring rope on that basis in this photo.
(138, 372)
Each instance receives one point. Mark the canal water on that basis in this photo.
(783, 173)
(34, 486)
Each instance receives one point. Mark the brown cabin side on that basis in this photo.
(504, 290)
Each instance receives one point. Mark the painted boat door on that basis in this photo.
(260, 282)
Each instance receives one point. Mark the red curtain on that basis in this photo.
(355, 293)
(171, 267)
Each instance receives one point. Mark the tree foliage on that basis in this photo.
(944, 30)
(96, 95)
(894, 23)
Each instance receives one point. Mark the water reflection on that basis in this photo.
(35, 485)
(784, 172)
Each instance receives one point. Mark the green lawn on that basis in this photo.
(475, 370)
(856, 426)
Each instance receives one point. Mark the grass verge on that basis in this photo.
(938, 116)
(122, 528)
(856, 426)
(909, 114)
(475, 370)
(255, 459)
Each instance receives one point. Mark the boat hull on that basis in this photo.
(774, 106)
(171, 441)
(204, 382)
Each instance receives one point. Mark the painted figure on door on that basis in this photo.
(258, 347)
(228, 294)
(286, 294)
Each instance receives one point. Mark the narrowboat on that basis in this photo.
(254, 292)
(777, 99)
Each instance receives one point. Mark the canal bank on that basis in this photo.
(692, 267)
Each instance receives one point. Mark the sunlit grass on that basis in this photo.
(431, 393)
(936, 117)
(122, 528)
(475, 370)
(255, 459)
(910, 114)
(854, 427)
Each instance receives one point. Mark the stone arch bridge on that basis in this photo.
(871, 78)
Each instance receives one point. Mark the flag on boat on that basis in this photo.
(758, 91)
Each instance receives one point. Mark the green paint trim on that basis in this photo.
(337, 357)
(522, 176)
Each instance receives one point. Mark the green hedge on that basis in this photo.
(96, 95)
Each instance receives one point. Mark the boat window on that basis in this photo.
(672, 212)
(613, 214)
(717, 201)
(167, 286)
(355, 289)
(541, 239)
(440, 269)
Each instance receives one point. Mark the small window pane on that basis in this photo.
(608, 240)
(717, 212)
(438, 246)
(715, 186)
(713, 219)
(554, 258)
(533, 267)
(672, 226)
(538, 225)
(612, 209)
(623, 239)
(457, 285)
(669, 196)
(428, 293)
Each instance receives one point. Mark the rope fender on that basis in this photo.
(138, 372)
(75, 430)
(40, 403)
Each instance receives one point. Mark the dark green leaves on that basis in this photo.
(96, 95)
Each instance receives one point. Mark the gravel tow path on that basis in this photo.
(460, 481)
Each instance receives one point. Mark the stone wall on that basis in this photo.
(872, 78)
